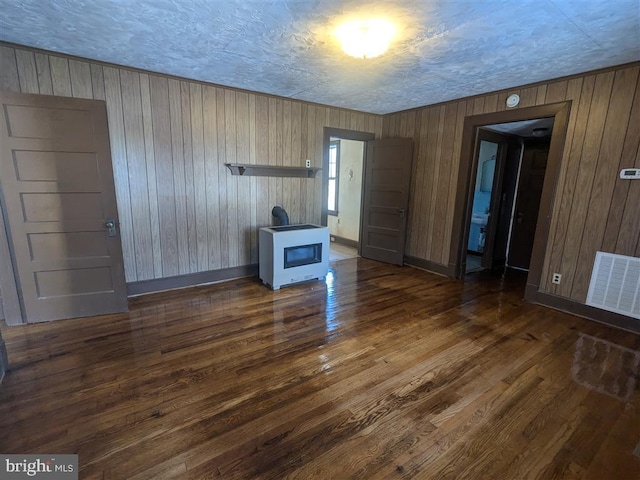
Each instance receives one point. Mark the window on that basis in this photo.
(334, 168)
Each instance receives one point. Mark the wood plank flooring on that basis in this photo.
(382, 372)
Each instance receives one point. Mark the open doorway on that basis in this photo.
(511, 163)
(343, 175)
(467, 174)
(344, 190)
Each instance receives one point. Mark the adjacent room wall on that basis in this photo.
(180, 209)
(347, 223)
(593, 209)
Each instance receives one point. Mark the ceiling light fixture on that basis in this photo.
(365, 38)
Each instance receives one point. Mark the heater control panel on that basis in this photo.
(630, 173)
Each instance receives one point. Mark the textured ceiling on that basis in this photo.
(447, 48)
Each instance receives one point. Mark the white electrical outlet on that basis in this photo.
(556, 278)
(307, 163)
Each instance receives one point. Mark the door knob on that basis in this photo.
(401, 212)
(110, 223)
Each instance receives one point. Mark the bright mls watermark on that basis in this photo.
(51, 467)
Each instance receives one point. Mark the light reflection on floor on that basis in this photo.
(331, 321)
(605, 367)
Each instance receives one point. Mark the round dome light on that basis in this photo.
(365, 38)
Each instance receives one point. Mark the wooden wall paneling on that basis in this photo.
(404, 118)
(97, 82)
(27, 74)
(606, 174)
(413, 212)
(426, 237)
(614, 228)
(8, 70)
(490, 103)
(296, 160)
(446, 166)
(394, 125)
(177, 154)
(273, 154)
(279, 150)
(541, 95)
(133, 130)
(304, 154)
(581, 101)
(435, 217)
(528, 97)
(386, 124)
(344, 119)
(161, 122)
(323, 118)
(460, 112)
(411, 124)
(334, 118)
(189, 180)
(233, 235)
(80, 75)
(224, 177)
(43, 71)
(263, 204)
(287, 184)
(169, 158)
(361, 123)
(557, 91)
(212, 174)
(152, 182)
(113, 94)
(378, 126)
(60, 76)
(253, 181)
(630, 223)
(244, 184)
(411, 129)
(423, 186)
(199, 178)
(584, 181)
(478, 106)
(312, 137)
(617, 233)
(502, 100)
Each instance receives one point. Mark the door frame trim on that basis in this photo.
(344, 135)
(13, 312)
(462, 212)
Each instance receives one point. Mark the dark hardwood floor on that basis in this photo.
(380, 373)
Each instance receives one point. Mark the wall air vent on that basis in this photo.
(615, 284)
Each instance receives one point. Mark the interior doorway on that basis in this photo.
(344, 190)
(466, 177)
(384, 195)
(511, 161)
(343, 175)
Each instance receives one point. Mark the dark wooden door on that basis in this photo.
(386, 197)
(534, 164)
(507, 198)
(59, 197)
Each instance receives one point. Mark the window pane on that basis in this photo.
(332, 154)
(331, 204)
(332, 170)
